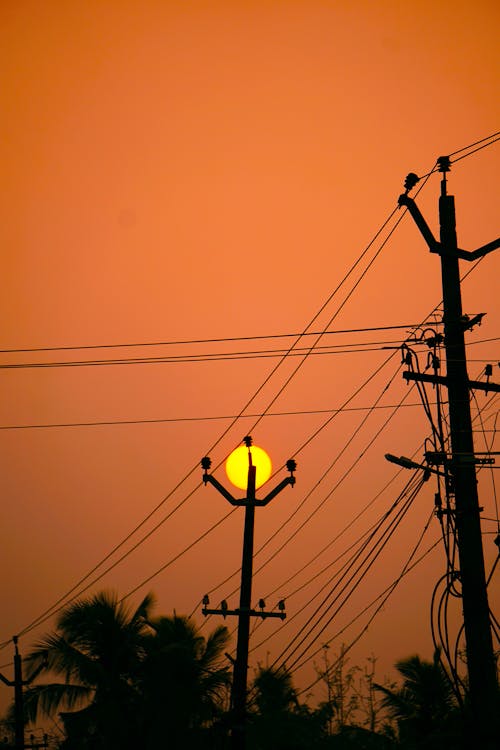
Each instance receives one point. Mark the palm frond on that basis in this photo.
(48, 700)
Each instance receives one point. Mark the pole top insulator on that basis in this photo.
(410, 181)
(444, 163)
(291, 465)
(206, 463)
(248, 441)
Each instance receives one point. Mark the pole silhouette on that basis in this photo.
(481, 666)
(245, 611)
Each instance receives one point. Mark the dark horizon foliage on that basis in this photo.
(123, 679)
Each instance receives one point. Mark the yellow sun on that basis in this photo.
(237, 466)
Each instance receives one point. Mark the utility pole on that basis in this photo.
(483, 687)
(245, 611)
(18, 683)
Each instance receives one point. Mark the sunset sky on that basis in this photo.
(208, 172)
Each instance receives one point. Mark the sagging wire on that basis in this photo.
(382, 598)
(355, 578)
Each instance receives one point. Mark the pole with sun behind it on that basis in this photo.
(248, 467)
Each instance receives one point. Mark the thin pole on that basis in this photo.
(18, 698)
(241, 665)
(479, 645)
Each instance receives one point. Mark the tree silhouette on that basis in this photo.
(97, 649)
(130, 681)
(278, 721)
(184, 683)
(424, 706)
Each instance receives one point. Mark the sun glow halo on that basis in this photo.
(237, 466)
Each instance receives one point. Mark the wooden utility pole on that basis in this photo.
(483, 688)
(244, 612)
(18, 683)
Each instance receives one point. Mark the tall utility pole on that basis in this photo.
(483, 688)
(245, 611)
(18, 684)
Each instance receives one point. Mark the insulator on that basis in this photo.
(488, 371)
(281, 605)
(444, 163)
(262, 604)
(206, 463)
(411, 181)
(291, 465)
(206, 600)
(248, 441)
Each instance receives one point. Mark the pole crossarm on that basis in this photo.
(281, 486)
(210, 479)
(434, 245)
(477, 385)
(237, 612)
(9, 683)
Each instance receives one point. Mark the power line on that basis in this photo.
(49, 612)
(216, 357)
(493, 138)
(384, 596)
(474, 151)
(476, 143)
(247, 404)
(308, 495)
(117, 422)
(182, 342)
(364, 564)
(241, 414)
(356, 544)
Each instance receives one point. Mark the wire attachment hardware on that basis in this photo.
(410, 181)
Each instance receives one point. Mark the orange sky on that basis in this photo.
(195, 170)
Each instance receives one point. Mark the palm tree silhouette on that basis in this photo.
(278, 721)
(184, 683)
(97, 649)
(130, 681)
(424, 706)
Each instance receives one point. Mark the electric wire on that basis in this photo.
(297, 452)
(147, 518)
(218, 417)
(313, 623)
(37, 621)
(476, 143)
(183, 342)
(359, 544)
(474, 151)
(258, 551)
(494, 136)
(213, 357)
(61, 603)
(384, 596)
(355, 578)
(46, 614)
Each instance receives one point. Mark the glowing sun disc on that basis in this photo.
(237, 466)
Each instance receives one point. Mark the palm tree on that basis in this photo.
(424, 707)
(184, 683)
(278, 720)
(97, 649)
